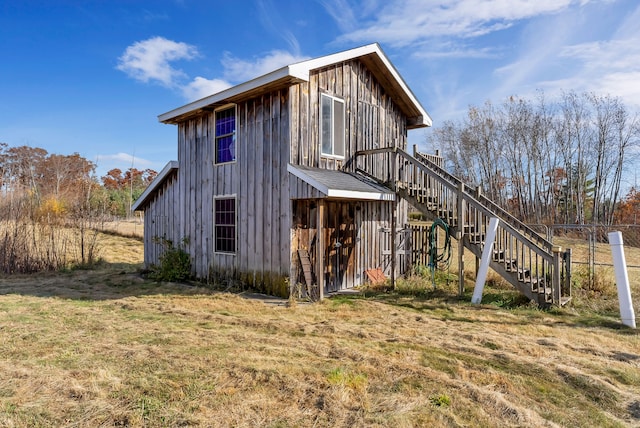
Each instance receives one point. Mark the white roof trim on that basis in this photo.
(339, 193)
(300, 71)
(162, 175)
(228, 93)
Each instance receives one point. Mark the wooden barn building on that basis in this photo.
(267, 185)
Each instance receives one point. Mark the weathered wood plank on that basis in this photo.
(244, 166)
(312, 124)
(251, 189)
(197, 198)
(284, 148)
(294, 124)
(268, 189)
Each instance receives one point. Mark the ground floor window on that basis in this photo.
(225, 225)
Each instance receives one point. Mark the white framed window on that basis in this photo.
(225, 221)
(225, 139)
(331, 126)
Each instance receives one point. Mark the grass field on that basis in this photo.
(105, 347)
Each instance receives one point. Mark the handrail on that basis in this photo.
(489, 208)
(526, 259)
(541, 246)
(493, 207)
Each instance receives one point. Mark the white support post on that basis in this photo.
(627, 315)
(484, 262)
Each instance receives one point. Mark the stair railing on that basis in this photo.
(523, 257)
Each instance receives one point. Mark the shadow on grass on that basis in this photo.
(102, 281)
(442, 302)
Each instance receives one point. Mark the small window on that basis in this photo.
(332, 126)
(226, 135)
(225, 225)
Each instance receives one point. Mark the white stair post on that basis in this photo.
(627, 315)
(484, 262)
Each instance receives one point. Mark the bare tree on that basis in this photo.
(560, 161)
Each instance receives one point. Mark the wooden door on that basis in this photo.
(339, 239)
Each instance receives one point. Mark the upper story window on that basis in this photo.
(331, 126)
(226, 135)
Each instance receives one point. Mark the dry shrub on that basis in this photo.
(597, 284)
(596, 291)
(42, 237)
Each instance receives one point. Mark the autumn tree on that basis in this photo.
(42, 191)
(124, 188)
(628, 211)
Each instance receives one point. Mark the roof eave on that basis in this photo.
(299, 72)
(282, 74)
(142, 201)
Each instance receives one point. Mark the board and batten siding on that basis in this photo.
(372, 120)
(257, 179)
(161, 221)
(273, 130)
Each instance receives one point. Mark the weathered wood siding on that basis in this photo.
(161, 221)
(273, 130)
(363, 240)
(258, 179)
(372, 118)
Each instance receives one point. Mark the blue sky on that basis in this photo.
(92, 76)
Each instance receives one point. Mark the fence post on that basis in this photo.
(567, 269)
(556, 286)
(627, 315)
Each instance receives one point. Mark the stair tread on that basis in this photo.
(423, 187)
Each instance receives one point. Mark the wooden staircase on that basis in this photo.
(532, 264)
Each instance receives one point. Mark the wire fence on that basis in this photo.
(591, 258)
(592, 261)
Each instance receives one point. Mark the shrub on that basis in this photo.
(175, 262)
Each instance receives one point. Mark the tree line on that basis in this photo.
(547, 161)
(57, 185)
(52, 207)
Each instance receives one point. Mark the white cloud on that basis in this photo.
(613, 54)
(605, 67)
(239, 70)
(125, 160)
(236, 71)
(150, 60)
(458, 52)
(342, 13)
(271, 18)
(201, 87)
(405, 22)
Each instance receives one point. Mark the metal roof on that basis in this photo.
(339, 184)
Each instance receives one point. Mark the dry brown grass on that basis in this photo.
(129, 228)
(105, 347)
